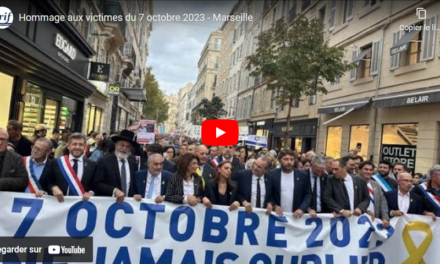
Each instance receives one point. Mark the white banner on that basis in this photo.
(243, 132)
(145, 134)
(144, 232)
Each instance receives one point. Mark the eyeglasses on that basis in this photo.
(37, 149)
(3, 140)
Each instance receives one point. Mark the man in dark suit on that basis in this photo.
(346, 194)
(115, 172)
(254, 186)
(402, 201)
(228, 154)
(152, 182)
(38, 166)
(291, 188)
(167, 164)
(318, 178)
(205, 170)
(13, 176)
(72, 174)
(23, 146)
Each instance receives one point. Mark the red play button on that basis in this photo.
(220, 132)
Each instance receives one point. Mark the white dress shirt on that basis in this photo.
(371, 206)
(254, 191)
(80, 165)
(318, 190)
(287, 191)
(350, 189)
(403, 201)
(157, 184)
(188, 189)
(127, 173)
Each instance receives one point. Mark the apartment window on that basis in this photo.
(217, 62)
(218, 44)
(370, 2)
(348, 10)
(367, 61)
(272, 99)
(274, 15)
(295, 103)
(304, 5)
(215, 81)
(312, 99)
(292, 10)
(321, 15)
(333, 142)
(412, 54)
(333, 9)
(283, 8)
(336, 82)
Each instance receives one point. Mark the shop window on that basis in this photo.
(33, 104)
(334, 139)
(400, 134)
(298, 144)
(91, 119)
(50, 115)
(98, 116)
(6, 86)
(360, 135)
(67, 114)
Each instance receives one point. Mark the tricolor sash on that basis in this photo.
(371, 194)
(70, 176)
(434, 200)
(215, 162)
(383, 184)
(34, 184)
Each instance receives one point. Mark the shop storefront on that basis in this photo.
(123, 114)
(302, 134)
(43, 71)
(262, 128)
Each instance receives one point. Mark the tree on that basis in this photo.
(156, 107)
(295, 59)
(209, 110)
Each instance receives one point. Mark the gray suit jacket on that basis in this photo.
(380, 202)
(13, 177)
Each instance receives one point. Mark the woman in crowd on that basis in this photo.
(306, 164)
(169, 152)
(101, 150)
(222, 190)
(298, 165)
(186, 185)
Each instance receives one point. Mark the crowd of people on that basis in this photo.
(187, 172)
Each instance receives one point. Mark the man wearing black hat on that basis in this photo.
(115, 173)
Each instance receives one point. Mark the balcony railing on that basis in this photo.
(113, 8)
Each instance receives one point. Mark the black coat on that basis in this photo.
(56, 177)
(302, 190)
(208, 172)
(322, 181)
(334, 197)
(140, 183)
(244, 190)
(13, 174)
(175, 191)
(108, 176)
(427, 205)
(24, 147)
(211, 192)
(415, 202)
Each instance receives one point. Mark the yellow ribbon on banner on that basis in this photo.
(199, 172)
(416, 253)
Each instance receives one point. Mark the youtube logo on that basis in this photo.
(220, 132)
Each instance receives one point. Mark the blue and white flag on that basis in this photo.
(257, 141)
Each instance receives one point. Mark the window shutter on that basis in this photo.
(353, 72)
(428, 42)
(395, 59)
(333, 7)
(375, 58)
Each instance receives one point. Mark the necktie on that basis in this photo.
(123, 177)
(347, 198)
(315, 194)
(258, 193)
(151, 187)
(75, 166)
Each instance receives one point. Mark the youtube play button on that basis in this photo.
(220, 132)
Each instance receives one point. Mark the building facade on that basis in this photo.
(183, 113)
(171, 123)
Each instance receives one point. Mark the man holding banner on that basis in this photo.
(38, 167)
(73, 174)
(346, 194)
(430, 191)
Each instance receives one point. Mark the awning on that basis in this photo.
(134, 94)
(361, 55)
(403, 43)
(343, 107)
(414, 97)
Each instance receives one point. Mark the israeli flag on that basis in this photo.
(257, 141)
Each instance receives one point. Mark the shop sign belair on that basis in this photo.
(417, 99)
(65, 46)
(405, 154)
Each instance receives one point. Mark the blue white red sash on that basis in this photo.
(34, 184)
(371, 194)
(434, 200)
(70, 176)
(215, 162)
(383, 184)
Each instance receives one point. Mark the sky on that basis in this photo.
(175, 47)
